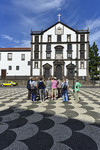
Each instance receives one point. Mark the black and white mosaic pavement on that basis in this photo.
(49, 125)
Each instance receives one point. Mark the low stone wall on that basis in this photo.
(23, 82)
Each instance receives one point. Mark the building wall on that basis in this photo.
(24, 68)
(75, 48)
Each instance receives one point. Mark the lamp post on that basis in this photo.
(73, 71)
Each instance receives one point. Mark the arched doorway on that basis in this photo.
(58, 73)
(47, 70)
(47, 73)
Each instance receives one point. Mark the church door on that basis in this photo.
(58, 73)
(70, 74)
(47, 73)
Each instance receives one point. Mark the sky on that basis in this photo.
(18, 17)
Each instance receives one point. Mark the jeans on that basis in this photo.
(65, 96)
(33, 96)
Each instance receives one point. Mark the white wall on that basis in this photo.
(24, 69)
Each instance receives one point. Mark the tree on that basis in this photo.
(94, 60)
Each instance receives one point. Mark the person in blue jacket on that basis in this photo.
(64, 89)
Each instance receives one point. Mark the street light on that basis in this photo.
(73, 71)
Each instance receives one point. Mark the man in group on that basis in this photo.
(41, 88)
(77, 86)
(33, 85)
(29, 87)
(48, 88)
(64, 89)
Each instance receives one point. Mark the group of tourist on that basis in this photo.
(39, 88)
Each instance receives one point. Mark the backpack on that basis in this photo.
(64, 86)
(28, 85)
(32, 85)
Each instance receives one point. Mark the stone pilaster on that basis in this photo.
(41, 57)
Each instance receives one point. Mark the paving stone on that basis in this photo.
(51, 124)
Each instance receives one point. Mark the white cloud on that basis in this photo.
(40, 5)
(7, 37)
(94, 28)
(93, 23)
(95, 36)
(24, 43)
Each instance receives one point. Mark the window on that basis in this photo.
(48, 47)
(9, 67)
(69, 47)
(22, 56)
(36, 39)
(9, 56)
(82, 47)
(48, 55)
(36, 55)
(36, 65)
(49, 38)
(82, 65)
(58, 38)
(82, 38)
(0, 56)
(82, 55)
(36, 47)
(69, 55)
(68, 38)
(17, 67)
(29, 63)
(59, 54)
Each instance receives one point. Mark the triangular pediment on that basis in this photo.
(47, 66)
(59, 28)
(71, 66)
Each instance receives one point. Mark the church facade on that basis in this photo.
(60, 51)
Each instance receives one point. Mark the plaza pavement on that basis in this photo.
(49, 125)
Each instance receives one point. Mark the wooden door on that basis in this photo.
(3, 74)
(47, 73)
(58, 73)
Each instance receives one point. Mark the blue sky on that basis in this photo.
(18, 17)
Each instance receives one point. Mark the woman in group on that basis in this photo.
(54, 87)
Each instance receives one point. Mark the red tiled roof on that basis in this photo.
(17, 48)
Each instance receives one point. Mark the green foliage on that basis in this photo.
(94, 60)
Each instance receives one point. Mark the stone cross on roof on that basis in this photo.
(59, 17)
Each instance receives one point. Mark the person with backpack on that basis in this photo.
(64, 89)
(41, 87)
(33, 85)
(77, 86)
(29, 88)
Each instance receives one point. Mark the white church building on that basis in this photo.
(57, 51)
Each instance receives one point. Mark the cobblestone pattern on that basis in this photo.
(49, 125)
